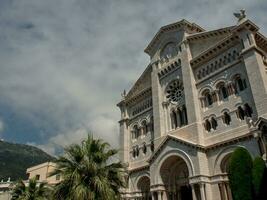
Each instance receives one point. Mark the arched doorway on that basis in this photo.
(143, 185)
(174, 173)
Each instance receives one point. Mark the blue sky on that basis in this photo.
(64, 63)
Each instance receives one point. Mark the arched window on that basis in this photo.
(137, 151)
(214, 123)
(240, 83)
(208, 99)
(174, 119)
(152, 146)
(240, 113)
(183, 116)
(133, 152)
(223, 92)
(144, 148)
(207, 125)
(179, 116)
(226, 118)
(135, 132)
(144, 127)
(248, 110)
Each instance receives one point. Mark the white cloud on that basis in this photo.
(64, 63)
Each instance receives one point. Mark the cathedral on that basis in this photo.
(203, 94)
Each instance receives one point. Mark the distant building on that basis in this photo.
(203, 94)
(42, 173)
(5, 188)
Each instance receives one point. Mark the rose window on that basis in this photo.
(175, 91)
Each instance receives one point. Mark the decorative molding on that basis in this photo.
(169, 68)
(209, 34)
(228, 58)
(139, 96)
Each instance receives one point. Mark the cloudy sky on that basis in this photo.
(64, 63)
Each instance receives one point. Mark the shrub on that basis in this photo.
(240, 176)
(258, 171)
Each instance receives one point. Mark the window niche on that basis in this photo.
(240, 83)
(226, 118)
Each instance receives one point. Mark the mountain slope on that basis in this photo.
(16, 158)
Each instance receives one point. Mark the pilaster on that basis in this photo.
(255, 68)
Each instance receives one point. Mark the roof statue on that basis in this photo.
(240, 16)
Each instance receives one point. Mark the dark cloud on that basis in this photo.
(64, 63)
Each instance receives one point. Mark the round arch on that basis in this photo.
(221, 158)
(205, 89)
(179, 153)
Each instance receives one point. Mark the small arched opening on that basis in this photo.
(143, 186)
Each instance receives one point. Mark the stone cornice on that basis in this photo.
(168, 69)
(174, 26)
(261, 41)
(144, 93)
(138, 169)
(249, 25)
(215, 50)
(208, 34)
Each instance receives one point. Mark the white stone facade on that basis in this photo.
(203, 94)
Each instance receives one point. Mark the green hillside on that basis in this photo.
(16, 158)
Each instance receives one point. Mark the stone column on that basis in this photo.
(159, 195)
(164, 195)
(201, 99)
(165, 109)
(194, 196)
(178, 118)
(228, 190)
(202, 191)
(217, 92)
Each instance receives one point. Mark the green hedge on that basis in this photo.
(240, 174)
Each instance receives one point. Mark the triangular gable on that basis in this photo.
(184, 24)
(165, 142)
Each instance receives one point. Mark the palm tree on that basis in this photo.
(89, 172)
(32, 191)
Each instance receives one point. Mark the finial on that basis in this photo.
(240, 16)
(123, 94)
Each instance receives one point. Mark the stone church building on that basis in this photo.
(203, 94)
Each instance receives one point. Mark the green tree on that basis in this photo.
(31, 191)
(89, 172)
(258, 171)
(240, 176)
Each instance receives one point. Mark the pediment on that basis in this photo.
(182, 25)
(165, 142)
(200, 42)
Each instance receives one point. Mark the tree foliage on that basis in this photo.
(32, 191)
(240, 175)
(88, 172)
(258, 172)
